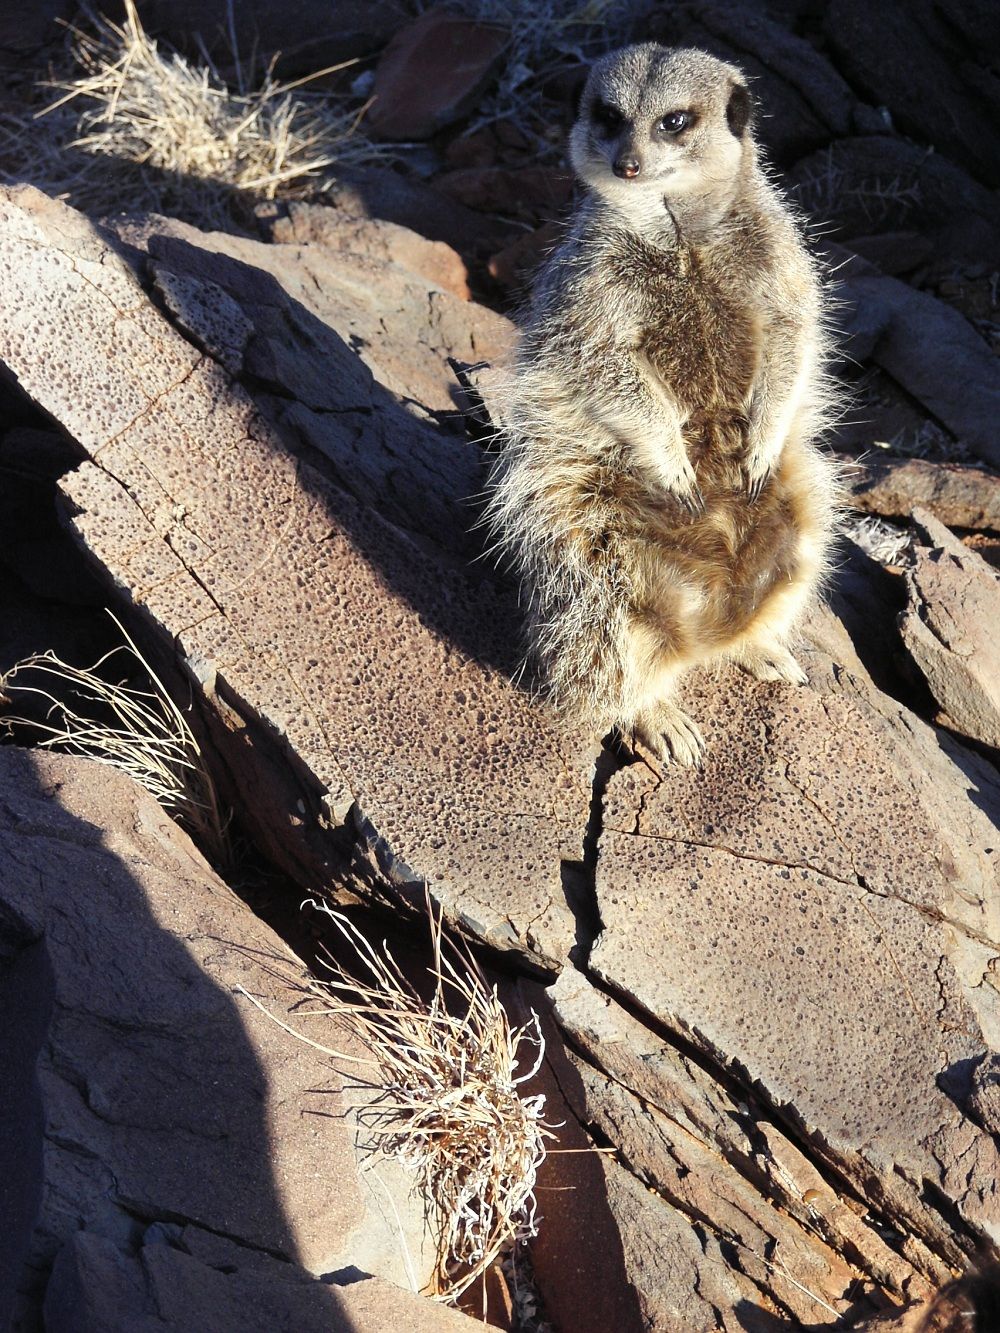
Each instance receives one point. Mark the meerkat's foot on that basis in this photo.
(669, 733)
(772, 664)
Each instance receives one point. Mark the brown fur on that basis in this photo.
(661, 491)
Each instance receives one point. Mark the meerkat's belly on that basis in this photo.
(708, 579)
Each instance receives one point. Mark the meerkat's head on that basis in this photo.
(663, 130)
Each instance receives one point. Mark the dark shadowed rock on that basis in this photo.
(166, 1095)
(185, 1278)
(807, 102)
(26, 27)
(939, 86)
(950, 628)
(431, 74)
(864, 186)
(306, 35)
(535, 193)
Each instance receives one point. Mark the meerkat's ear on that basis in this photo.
(739, 109)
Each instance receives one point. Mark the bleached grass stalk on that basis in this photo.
(177, 136)
(449, 1105)
(141, 732)
(882, 540)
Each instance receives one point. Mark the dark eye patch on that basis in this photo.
(606, 117)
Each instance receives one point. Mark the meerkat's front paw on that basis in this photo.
(757, 469)
(683, 484)
(772, 664)
(670, 735)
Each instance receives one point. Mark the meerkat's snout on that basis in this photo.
(626, 167)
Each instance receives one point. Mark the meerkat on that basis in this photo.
(659, 489)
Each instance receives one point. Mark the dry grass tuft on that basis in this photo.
(449, 1104)
(879, 538)
(143, 128)
(141, 732)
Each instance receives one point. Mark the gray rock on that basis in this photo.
(933, 353)
(950, 628)
(166, 1095)
(203, 1281)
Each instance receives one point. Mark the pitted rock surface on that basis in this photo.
(347, 354)
(166, 1095)
(950, 629)
(382, 668)
(746, 901)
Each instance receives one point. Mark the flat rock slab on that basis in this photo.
(167, 1095)
(950, 628)
(782, 909)
(961, 497)
(724, 1163)
(310, 621)
(185, 1279)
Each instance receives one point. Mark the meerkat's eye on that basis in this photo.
(607, 118)
(675, 122)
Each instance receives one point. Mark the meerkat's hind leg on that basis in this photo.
(668, 732)
(775, 662)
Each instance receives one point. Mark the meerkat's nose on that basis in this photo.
(627, 167)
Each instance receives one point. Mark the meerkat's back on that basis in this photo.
(660, 491)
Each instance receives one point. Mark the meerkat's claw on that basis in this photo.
(671, 735)
(693, 501)
(772, 664)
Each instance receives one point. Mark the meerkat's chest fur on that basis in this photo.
(701, 324)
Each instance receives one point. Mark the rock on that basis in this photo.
(813, 917)
(894, 252)
(933, 353)
(378, 193)
(872, 185)
(336, 231)
(805, 100)
(949, 629)
(306, 35)
(531, 193)
(167, 1096)
(940, 88)
(185, 1278)
(372, 425)
(341, 628)
(790, 836)
(432, 73)
(724, 1164)
(26, 27)
(515, 265)
(961, 497)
